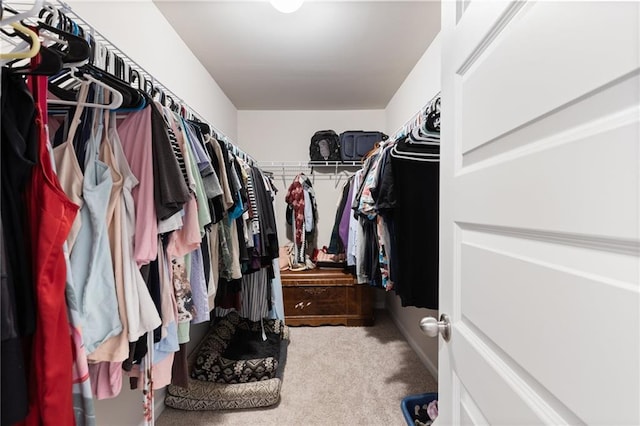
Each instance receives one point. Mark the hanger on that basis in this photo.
(37, 5)
(86, 78)
(74, 49)
(34, 41)
(425, 158)
(53, 16)
(426, 153)
(49, 64)
(417, 137)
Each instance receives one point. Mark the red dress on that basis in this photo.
(51, 214)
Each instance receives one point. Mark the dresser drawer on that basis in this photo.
(315, 300)
(326, 297)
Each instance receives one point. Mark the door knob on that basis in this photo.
(431, 326)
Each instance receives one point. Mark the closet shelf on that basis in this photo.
(323, 170)
(308, 164)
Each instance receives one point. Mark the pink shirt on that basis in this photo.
(135, 135)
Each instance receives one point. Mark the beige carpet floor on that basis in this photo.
(333, 376)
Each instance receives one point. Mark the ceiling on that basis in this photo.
(327, 55)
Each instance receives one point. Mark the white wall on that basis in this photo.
(139, 30)
(418, 88)
(285, 136)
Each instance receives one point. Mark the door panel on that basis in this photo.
(569, 187)
(501, 393)
(540, 217)
(529, 298)
(470, 414)
(534, 55)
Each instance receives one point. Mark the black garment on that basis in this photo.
(336, 245)
(269, 249)
(206, 258)
(84, 132)
(228, 294)
(248, 344)
(153, 283)
(137, 350)
(19, 145)
(19, 155)
(15, 403)
(371, 252)
(416, 185)
(243, 194)
(384, 193)
(13, 378)
(60, 135)
(203, 128)
(8, 299)
(170, 191)
(243, 251)
(216, 206)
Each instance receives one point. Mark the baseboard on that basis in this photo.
(414, 345)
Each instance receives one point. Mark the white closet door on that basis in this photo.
(540, 213)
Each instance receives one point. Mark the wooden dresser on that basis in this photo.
(326, 297)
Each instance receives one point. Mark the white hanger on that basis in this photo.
(116, 97)
(416, 137)
(421, 160)
(430, 158)
(37, 5)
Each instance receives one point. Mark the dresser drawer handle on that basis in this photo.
(302, 305)
(315, 291)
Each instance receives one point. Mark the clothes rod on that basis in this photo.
(414, 117)
(65, 8)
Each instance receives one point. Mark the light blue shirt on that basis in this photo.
(91, 266)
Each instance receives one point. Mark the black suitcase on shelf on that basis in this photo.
(354, 144)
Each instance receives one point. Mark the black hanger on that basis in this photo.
(65, 86)
(204, 127)
(77, 49)
(134, 77)
(50, 63)
(175, 107)
(148, 87)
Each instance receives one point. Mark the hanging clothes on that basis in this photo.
(71, 179)
(170, 192)
(136, 138)
(140, 309)
(68, 169)
(116, 348)
(91, 263)
(111, 255)
(338, 240)
(50, 216)
(417, 270)
(303, 213)
(19, 157)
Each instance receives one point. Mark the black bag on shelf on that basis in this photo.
(325, 146)
(354, 144)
